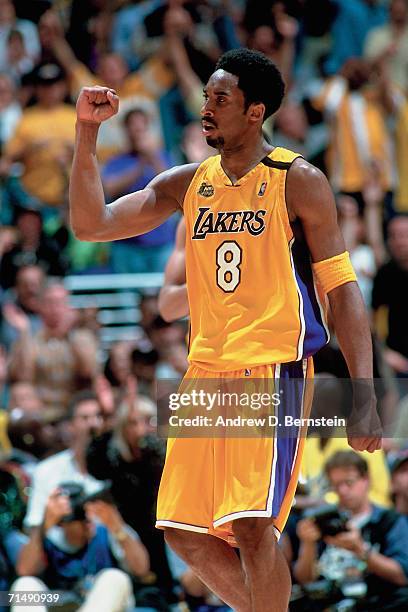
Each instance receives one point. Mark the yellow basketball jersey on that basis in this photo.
(250, 285)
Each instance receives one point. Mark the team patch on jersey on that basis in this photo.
(206, 190)
(234, 222)
(262, 189)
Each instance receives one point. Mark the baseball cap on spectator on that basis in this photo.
(47, 74)
(399, 459)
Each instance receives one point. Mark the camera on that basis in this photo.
(78, 499)
(329, 519)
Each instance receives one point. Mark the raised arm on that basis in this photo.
(310, 200)
(132, 214)
(173, 301)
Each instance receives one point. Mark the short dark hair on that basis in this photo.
(87, 395)
(346, 459)
(258, 78)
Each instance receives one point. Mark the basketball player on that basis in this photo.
(258, 220)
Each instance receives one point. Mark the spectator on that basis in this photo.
(9, 109)
(322, 444)
(399, 482)
(401, 141)
(127, 21)
(141, 88)
(12, 509)
(390, 43)
(200, 38)
(32, 438)
(168, 338)
(149, 310)
(94, 542)
(84, 419)
(58, 359)
(354, 230)
(145, 359)
(18, 59)
(352, 23)
(277, 40)
(33, 247)
(360, 145)
(130, 172)
(388, 292)
(133, 461)
(118, 365)
(25, 397)
(376, 539)
(46, 153)
(29, 284)
(80, 257)
(28, 30)
(193, 145)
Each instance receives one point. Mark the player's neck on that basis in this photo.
(238, 161)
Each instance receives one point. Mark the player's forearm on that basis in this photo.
(87, 201)
(352, 329)
(173, 302)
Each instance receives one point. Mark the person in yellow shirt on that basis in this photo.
(317, 451)
(401, 134)
(44, 138)
(360, 141)
(141, 89)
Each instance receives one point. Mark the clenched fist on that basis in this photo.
(97, 104)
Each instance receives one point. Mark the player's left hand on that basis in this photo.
(364, 428)
(365, 444)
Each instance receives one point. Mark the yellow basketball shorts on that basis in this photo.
(207, 483)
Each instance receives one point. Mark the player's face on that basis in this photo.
(223, 116)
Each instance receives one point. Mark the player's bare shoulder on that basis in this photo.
(307, 189)
(173, 183)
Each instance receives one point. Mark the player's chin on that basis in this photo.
(215, 142)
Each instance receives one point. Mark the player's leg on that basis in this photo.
(267, 572)
(215, 562)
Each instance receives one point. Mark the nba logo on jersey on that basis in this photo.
(206, 190)
(262, 189)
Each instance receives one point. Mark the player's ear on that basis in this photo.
(256, 112)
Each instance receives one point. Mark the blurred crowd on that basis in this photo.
(80, 461)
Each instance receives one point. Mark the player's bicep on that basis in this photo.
(310, 199)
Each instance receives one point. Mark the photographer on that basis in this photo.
(371, 546)
(85, 548)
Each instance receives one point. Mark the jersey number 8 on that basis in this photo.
(228, 258)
